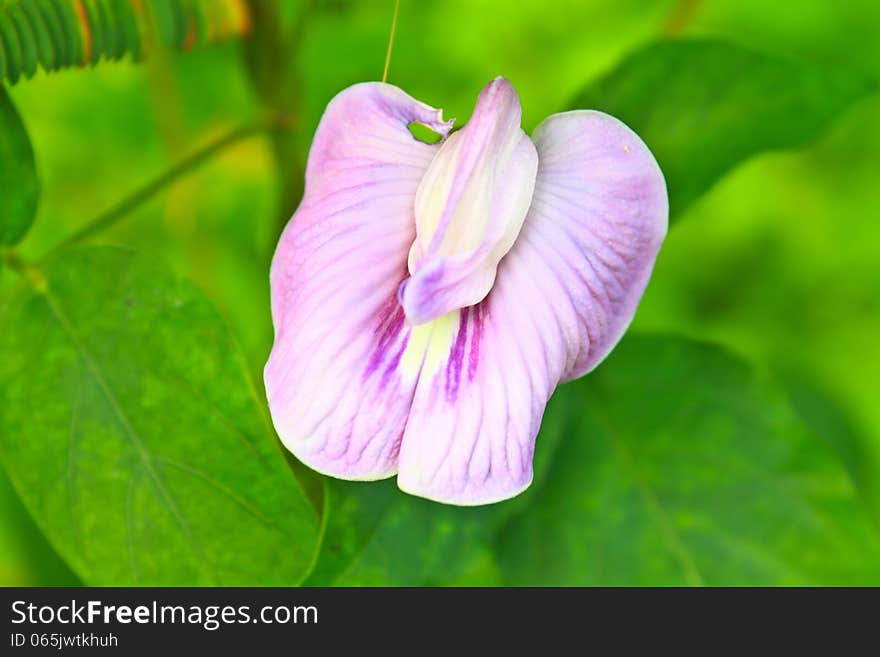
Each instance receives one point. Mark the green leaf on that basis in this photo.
(40, 31)
(19, 187)
(3, 66)
(51, 25)
(379, 536)
(830, 421)
(56, 34)
(376, 535)
(115, 26)
(168, 17)
(26, 558)
(687, 469)
(72, 29)
(97, 30)
(130, 31)
(10, 46)
(704, 106)
(134, 435)
(26, 39)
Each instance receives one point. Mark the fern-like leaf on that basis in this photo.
(56, 34)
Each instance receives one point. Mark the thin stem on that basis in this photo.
(185, 166)
(391, 40)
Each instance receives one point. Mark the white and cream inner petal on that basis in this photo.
(469, 208)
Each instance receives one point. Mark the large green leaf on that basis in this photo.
(377, 535)
(687, 469)
(19, 188)
(134, 435)
(704, 106)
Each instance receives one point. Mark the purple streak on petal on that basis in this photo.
(474, 360)
(456, 356)
(391, 321)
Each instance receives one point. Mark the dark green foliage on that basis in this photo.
(686, 469)
(19, 186)
(705, 106)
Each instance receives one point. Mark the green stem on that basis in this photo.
(185, 166)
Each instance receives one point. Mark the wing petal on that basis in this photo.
(337, 381)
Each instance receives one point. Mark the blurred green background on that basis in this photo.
(779, 262)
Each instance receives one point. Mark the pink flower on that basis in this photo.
(428, 299)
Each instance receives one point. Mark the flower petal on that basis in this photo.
(470, 207)
(599, 215)
(563, 297)
(339, 379)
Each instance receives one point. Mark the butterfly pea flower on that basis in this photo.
(427, 299)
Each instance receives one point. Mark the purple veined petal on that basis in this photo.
(470, 207)
(340, 377)
(599, 215)
(563, 297)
